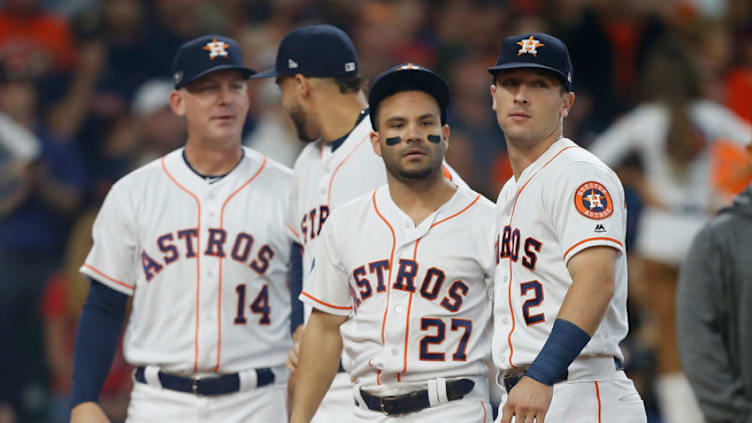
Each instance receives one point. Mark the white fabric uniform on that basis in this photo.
(324, 180)
(564, 202)
(206, 264)
(426, 317)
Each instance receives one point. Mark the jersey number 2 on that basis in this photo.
(459, 355)
(535, 301)
(260, 305)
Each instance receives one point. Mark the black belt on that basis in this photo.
(511, 378)
(224, 384)
(414, 401)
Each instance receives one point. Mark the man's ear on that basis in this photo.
(445, 135)
(302, 87)
(567, 104)
(493, 97)
(375, 143)
(177, 103)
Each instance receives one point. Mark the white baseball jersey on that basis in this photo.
(205, 262)
(428, 314)
(326, 179)
(565, 201)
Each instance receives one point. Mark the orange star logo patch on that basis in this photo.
(529, 45)
(216, 48)
(593, 201)
(409, 66)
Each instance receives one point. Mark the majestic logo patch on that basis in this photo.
(600, 228)
(529, 45)
(216, 48)
(593, 201)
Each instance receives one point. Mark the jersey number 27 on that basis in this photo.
(463, 325)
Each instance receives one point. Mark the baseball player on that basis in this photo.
(198, 239)
(561, 273)
(403, 275)
(317, 71)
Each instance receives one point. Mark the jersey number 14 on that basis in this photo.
(260, 305)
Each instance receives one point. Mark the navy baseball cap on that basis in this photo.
(206, 54)
(319, 51)
(408, 77)
(536, 50)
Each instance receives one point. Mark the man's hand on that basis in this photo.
(293, 355)
(528, 401)
(88, 412)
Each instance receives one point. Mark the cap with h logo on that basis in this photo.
(319, 51)
(204, 55)
(536, 50)
(408, 77)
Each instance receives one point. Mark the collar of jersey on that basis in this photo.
(395, 215)
(211, 178)
(341, 140)
(552, 150)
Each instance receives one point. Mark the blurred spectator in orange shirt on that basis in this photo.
(34, 41)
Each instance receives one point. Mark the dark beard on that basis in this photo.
(415, 175)
(412, 175)
(298, 118)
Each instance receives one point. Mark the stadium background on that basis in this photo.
(90, 78)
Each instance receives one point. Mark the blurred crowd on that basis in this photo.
(664, 95)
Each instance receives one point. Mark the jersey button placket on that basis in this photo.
(395, 325)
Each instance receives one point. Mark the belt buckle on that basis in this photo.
(194, 384)
(381, 405)
(512, 374)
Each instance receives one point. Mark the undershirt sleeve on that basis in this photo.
(296, 285)
(99, 329)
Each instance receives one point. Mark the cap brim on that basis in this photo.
(269, 73)
(247, 73)
(522, 65)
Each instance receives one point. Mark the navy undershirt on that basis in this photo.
(296, 286)
(339, 141)
(99, 328)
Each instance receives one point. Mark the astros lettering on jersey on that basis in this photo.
(325, 180)
(418, 297)
(206, 273)
(565, 201)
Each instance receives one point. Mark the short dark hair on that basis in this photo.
(349, 84)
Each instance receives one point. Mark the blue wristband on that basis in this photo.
(564, 344)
